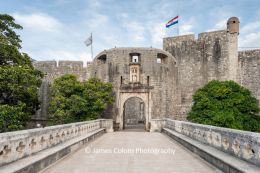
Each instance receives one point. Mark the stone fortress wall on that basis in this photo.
(214, 55)
(198, 61)
(165, 86)
(52, 70)
(249, 70)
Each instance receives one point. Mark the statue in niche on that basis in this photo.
(134, 78)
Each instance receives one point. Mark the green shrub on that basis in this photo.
(74, 101)
(225, 104)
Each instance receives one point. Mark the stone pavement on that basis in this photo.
(132, 152)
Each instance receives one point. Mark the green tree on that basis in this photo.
(10, 55)
(7, 34)
(20, 84)
(225, 104)
(98, 95)
(73, 101)
(12, 117)
(19, 81)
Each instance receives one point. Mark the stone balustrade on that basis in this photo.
(107, 124)
(156, 125)
(242, 144)
(19, 144)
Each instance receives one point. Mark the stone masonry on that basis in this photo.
(52, 70)
(163, 80)
(146, 73)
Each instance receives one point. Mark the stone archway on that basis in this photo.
(134, 113)
(144, 96)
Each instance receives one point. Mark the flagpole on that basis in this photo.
(178, 23)
(91, 47)
(178, 27)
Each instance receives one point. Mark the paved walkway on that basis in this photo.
(132, 152)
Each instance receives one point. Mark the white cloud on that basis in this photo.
(250, 40)
(187, 26)
(250, 27)
(186, 29)
(37, 22)
(220, 25)
(97, 20)
(123, 15)
(157, 32)
(250, 35)
(94, 5)
(136, 30)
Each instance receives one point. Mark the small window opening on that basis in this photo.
(183, 100)
(121, 81)
(102, 59)
(135, 57)
(161, 58)
(148, 80)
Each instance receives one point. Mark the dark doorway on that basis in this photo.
(134, 117)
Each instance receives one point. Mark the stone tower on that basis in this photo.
(233, 32)
(143, 83)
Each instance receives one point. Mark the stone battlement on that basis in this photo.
(54, 69)
(58, 64)
(180, 38)
(254, 53)
(212, 34)
(191, 37)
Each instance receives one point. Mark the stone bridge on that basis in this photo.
(92, 146)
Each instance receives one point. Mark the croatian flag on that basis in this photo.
(173, 21)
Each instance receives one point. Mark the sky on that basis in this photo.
(57, 29)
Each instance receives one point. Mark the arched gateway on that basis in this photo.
(134, 115)
(134, 110)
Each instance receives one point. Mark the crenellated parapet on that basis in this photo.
(54, 69)
(255, 53)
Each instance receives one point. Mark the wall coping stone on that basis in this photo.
(45, 158)
(244, 145)
(223, 161)
(19, 144)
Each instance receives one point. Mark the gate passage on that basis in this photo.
(134, 114)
